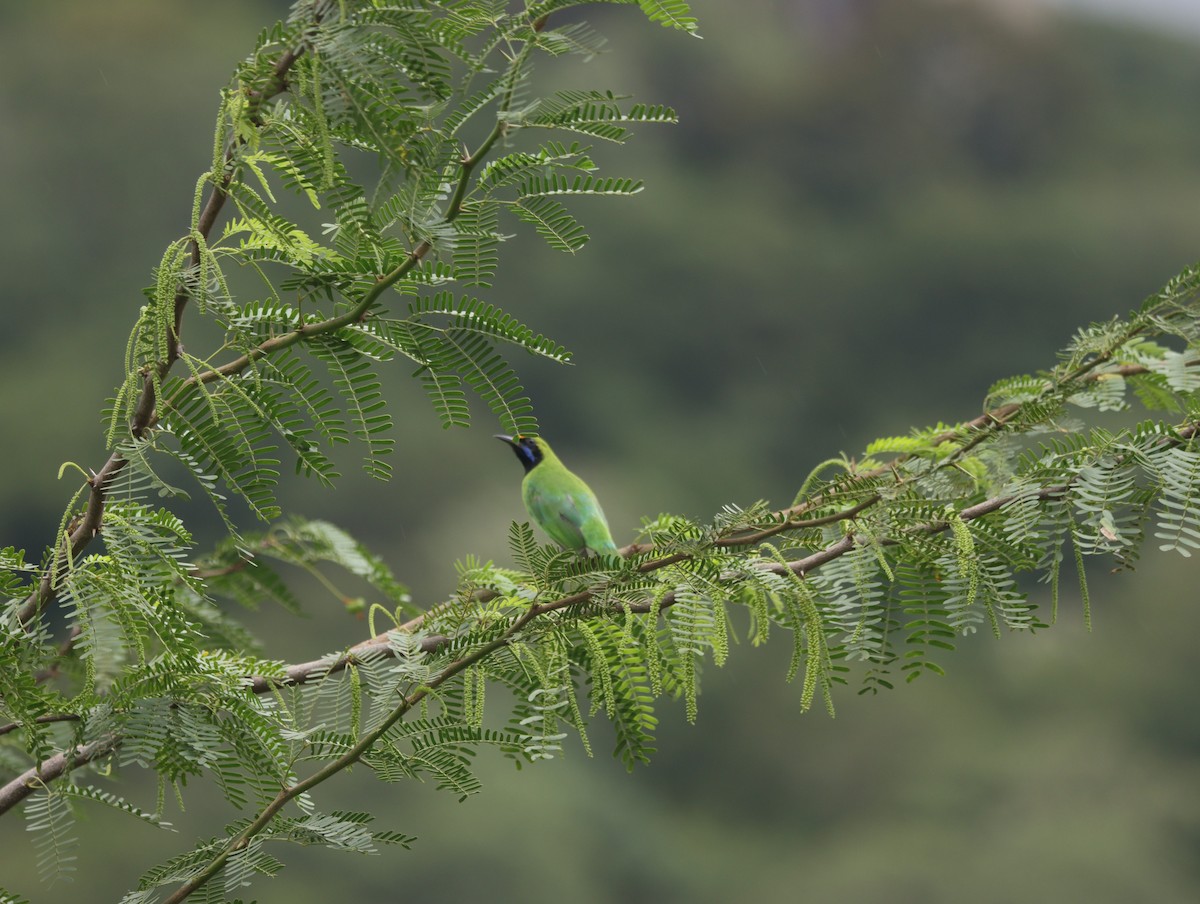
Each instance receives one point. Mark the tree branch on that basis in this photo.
(303, 673)
(382, 283)
(36, 777)
(40, 720)
(144, 412)
(306, 672)
(349, 758)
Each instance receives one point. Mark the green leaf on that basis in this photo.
(552, 222)
(670, 14)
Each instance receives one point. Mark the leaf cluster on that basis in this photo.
(410, 141)
(877, 569)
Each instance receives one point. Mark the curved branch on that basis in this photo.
(307, 672)
(467, 167)
(298, 674)
(146, 415)
(349, 758)
(303, 673)
(40, 720)
(37, 777)
(144, 412)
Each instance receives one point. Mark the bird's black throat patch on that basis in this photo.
(528, 451)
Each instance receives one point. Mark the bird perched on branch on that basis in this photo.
(563, 505)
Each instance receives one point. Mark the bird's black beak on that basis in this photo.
(526, 451)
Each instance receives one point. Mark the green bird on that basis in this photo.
(563, 505)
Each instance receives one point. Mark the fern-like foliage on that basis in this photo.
(381, 265)
(403, 84)
(878, 568)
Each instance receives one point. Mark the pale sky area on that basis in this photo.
(1165, 13)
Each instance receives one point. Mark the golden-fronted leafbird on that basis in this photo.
(563, 505)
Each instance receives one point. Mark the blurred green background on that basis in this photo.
(869, 213)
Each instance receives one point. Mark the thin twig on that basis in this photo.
(145, 410)
(54, 767)
(40, 720)
(306, 672)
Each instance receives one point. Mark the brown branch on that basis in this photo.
(144, 414)
(979, 429)
(37, 777)
(306, 672)
(789, 523)
(303, 673)
(40, 720)
(231, 368)
(349, 758)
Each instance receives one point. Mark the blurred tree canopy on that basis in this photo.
(867, 215)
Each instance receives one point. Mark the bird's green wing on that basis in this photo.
(549, 509)
(596, 534)
(569, 513)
